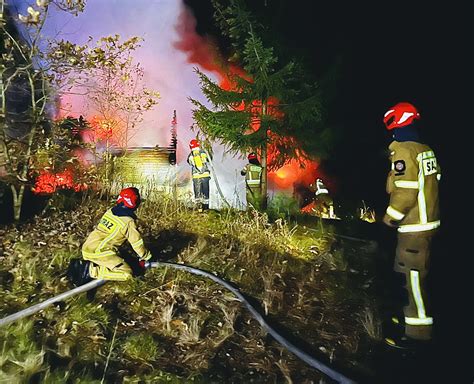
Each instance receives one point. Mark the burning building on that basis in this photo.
(148, 168)
(151, 169)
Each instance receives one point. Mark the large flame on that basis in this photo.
(296, 171)
(301, 170)
(203, 51)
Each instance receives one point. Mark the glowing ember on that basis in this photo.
(310, 208)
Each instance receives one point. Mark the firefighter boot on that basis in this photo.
(78, 272)
(199, 207)
(400, 341)
(395, 335)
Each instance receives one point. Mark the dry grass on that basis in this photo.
(175, 322)
(141, 347)
(21, 357)
(285, 370)
(272, 295)
(371, 323)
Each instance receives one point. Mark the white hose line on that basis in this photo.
(311, 361)
(40, 306)
(287, 344)
(214, 177)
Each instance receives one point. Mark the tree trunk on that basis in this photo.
(3, 147)
(18, 198)
(17, 201)
(263, 158)
(264, 178)
(4, 158)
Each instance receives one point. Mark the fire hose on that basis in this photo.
(214, 177)
(311, 361)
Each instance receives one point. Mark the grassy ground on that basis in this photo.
(170, 326)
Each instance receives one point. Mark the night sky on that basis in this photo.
(387, 52)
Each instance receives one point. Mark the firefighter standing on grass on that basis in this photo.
(199, 162)
(413, 209)
(100, 250)
(253, 181)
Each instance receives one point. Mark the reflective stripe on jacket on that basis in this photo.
(413, 187)
(199, 161)
(320, 188)
(253, 175)
(111, 233)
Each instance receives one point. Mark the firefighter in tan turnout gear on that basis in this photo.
(100, 250)
(253, 181)
(412, 184)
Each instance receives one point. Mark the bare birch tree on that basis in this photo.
(25, 91)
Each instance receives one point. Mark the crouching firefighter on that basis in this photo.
(324, 204)
(100, 250)
(199, 162)
(412, 184)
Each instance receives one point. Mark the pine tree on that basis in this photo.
(272, 108)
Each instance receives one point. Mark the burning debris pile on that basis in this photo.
(49, 183)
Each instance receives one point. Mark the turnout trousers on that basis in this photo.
(254, 196)
(108, 266)
(201, 191)
(412, 260)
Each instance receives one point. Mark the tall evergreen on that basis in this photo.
(273, 108)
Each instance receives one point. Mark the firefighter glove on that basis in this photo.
(390, 221)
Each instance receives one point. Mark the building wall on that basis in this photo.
(148, 169)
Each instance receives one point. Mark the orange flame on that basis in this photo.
(310, 208)
(291, 173)
(48, 182)
(104, 130)
(204, 52)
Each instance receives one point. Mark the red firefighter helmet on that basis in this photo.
(400, 115)
(252, 156)
(130, 197)
(193, 144)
